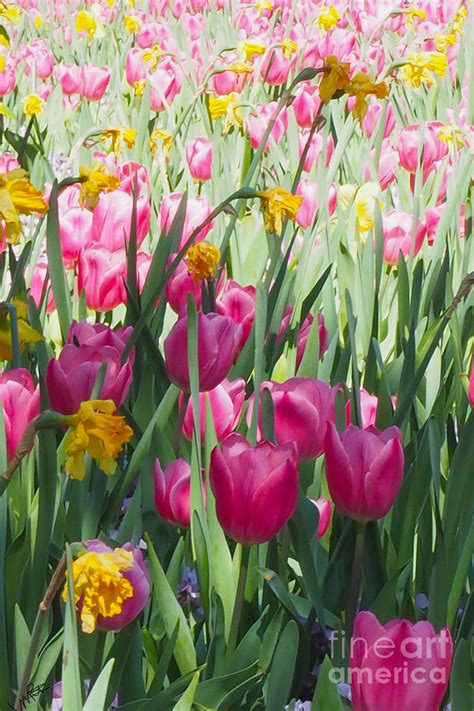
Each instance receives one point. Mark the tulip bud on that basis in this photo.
(399, 665)
(364, 470)
(173, 492)
(256, 488)
(19, 400)
(199, 158)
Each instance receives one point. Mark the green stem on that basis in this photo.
(44, 606)
(98, 658)
(356, 577)
(239, 601)
(15, 340)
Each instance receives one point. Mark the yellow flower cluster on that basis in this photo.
(203, 259)
(278, 203)
(100, 586)
(95, 429)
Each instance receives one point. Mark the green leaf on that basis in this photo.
(186, 701)
(280, 678)
(55, 263)
(462, 694)
(71, 680)
(326, 696)
(96, 699)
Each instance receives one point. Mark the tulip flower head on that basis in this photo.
(95, 429)
(111, 587)
(278, 203)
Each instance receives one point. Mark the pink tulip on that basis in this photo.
(303, 334)
(40, 275)
(199, 158)
(238, 302)
(226, 401)
(256, 488)
(130, 173)
(139, 579)
(94, 82)
(316, 148)
(112, 218)
(309, 204)
(173, 492)
(218, 339)
(399, 665)
(69, 76)
(276, 66)
(364, 470)
(8, 162)
(324, 507)
(165, 84)
(148, 35)
(70, 379)
(386, 168)
(371, 122)
(409, 147)
(20, 402)
(256, 125)
(197, 210)
(179, 285)
(135, 66)
(306, 104)
(75, 233)
(398, 236)
(7, 80)
(302, 409)
(100, 275)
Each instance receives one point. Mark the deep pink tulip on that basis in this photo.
(324, 507)
(199, 158)
(302, 409)
(303, 333)
(364, 470)
(309, 204)
(256, 488)
(218, 339)
(20, 402)
(112, 219)
(70, 379)
(75, 233)
(398, 236)
(101, 274)
(94, 82)
(179, 285)
(173, 492)
(197, 210)
(139, 579)
(238, 302)
(40, 274)
(399, 665)
(69, 77)
(226, 401)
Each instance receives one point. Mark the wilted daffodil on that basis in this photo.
(203, 259)
(152, 57)
(335, 78)
(421, 67)
(161, 135)
(119, 136)
(250, 49)
(96, 181)
(97, 430)
(26, 334)
(18, 197)
(276, 204)
(361, 86)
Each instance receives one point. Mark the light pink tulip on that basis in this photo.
(398, 236)
(20, 402)
(111, 220)
(256, 125)
(69, 77)
(197, 210)
(199, 158)
(94, 82)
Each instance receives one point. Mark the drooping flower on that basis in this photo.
(203, 260)
(277, 203)
(32, 105)
(18, 197)
(96, 181)
(361, 86)
(250, 49)
(226, 105)
(161, 135)
(421, 67)
(119, 137)
(335, 78)
(327, 18)
(95, 429)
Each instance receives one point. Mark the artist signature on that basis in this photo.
(32, 692)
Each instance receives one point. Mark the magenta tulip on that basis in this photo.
(139, 579)
(226, 402)
(302, 408)
(101, 275)
(364, 470)
(256, 488)
(173, 492)
(324, 507)
(70, 379)
(238, 302)
(399, 665)
(20, 402)
(218, 339)
(303, 333)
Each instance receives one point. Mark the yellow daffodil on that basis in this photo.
(131, 24)
(411, 13)
(38, 21)
(250, 49)
(459, 20)
(452, 134)
(26, 334)
(264, 6)
(226, 105)
(96, 181)
(276, 204)
(421, 67)
(139, 87)
(86, 22)
(442, 42)
(119, 136)
(32, 105)
(161, 135)
(203, 260)
(289, 47)
(335, 78)
(18, 197)
(9, 12)
(152, 57)
(363, 198)
(99, 585)
(327, 18)
(361, 86)
(95, 429)
(238, 68)
(3, 63)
